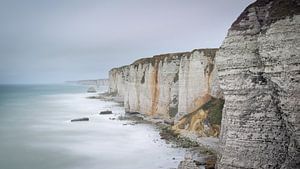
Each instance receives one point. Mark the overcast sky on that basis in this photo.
(50, 41)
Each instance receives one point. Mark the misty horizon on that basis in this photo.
(57, 41)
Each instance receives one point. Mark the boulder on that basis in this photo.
(132, 113)
(169, 122)
(92, 90)
(105, 112)
(80, 119)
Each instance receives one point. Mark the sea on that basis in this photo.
(36, 132)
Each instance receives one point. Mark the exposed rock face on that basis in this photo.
(152, 85)
(169, 86)
(197, 81)
(259, 72)
(204, 121)
(117, 79)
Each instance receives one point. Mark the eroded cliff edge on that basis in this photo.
(258, 68)
(179, 87)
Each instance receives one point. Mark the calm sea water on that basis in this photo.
(36, 132)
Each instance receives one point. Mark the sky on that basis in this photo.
(52, 41)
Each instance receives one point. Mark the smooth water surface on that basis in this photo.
(36, 132)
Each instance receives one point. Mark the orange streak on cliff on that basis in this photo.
(154, 88)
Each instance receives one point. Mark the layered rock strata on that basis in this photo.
(170, 86)
(259, 72)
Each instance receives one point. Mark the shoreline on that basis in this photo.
(201, 151)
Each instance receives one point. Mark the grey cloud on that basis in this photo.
(45, 41)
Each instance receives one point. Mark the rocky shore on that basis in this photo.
(201, 152)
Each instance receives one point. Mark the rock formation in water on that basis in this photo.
(259, 72)
(91, 90)
(176, 86)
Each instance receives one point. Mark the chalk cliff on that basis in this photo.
(117, 79)
(172, 86)
(259, 73)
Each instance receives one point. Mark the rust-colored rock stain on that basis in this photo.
(154, 89)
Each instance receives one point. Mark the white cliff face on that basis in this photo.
(197, 81)
(181, 86)
(258, 69)
(167, 84)
(117, 79)
(152, 87)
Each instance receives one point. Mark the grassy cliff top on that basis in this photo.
(209, 52)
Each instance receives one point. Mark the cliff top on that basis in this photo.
(209, 52)
(161, 57)
(268, 12)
